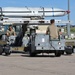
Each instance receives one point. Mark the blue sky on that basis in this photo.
(62, 4)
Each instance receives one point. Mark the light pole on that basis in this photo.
(68, 25)
(68, 9)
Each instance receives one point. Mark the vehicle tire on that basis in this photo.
(62, 52)
(7, 50)
(1, 50)
(32, 45)
(57, 53)
(32, 54)
(7, 54)
(69, 50)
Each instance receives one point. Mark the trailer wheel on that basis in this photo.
(57, 53)
(1, 50)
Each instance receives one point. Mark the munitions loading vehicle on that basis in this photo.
(35, 42)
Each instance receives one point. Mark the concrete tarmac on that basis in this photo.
(22, 64)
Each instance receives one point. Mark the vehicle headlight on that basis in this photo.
(59, 43)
